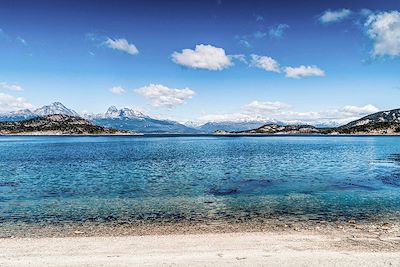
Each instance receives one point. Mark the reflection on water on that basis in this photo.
(129, 179)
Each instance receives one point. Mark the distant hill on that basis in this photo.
(132, 120)
(281, 129)
(381, 122)
(57, 124)
(384, 122)
(122, 119)
(211, 127)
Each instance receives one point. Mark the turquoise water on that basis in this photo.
(130, 179)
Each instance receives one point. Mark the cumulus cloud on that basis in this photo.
(121, 45)
(203, 57)
(11, 87)
(162, 96)
(118, 90)
(334, 15)
(303, 71)
(265, 63)
(384, 30)
(12, 103)
(278, 31)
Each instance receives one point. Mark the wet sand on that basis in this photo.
(322, 244)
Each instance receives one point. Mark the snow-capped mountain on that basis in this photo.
(133, 120)
(383, 120)
(113, 112)
(55, 108)
(18, 115)
(24, 114)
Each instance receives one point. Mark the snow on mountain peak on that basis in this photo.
(113, 112)
(55, 108)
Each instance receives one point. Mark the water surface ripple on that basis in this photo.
(130, 179)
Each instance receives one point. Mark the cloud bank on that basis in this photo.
(12, 103)
(11, 87)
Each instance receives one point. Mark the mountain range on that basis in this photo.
(380, 123)
(56, 124)
(25, 114)
(121, 119)
(132, 120)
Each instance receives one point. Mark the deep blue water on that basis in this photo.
(127, 179)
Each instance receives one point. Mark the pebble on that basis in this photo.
(386, 226)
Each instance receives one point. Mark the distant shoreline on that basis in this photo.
(198, 135)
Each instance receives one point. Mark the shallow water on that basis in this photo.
(46, 180)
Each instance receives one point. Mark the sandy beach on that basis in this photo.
(303, 248)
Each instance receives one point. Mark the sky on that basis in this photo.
(209, 60)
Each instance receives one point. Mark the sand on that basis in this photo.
(303, 248)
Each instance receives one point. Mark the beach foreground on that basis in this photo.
(220, 249)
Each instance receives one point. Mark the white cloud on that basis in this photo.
(367, 109)
(263, 107)
(384, 29)
(278, 31)
(12, 103)
(11, 87)
(203, 57)
(303, 71)
(334, 15)
(162, 96)
(122, 45)
(265, 63)
(118, 90)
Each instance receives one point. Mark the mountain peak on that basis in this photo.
(131, 113)
(55, 108)
(114, 112)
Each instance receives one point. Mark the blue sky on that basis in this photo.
(203, 60)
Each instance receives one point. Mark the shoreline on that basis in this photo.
(196, 135)
(293, 248)
(282, 225)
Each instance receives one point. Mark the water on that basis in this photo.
(45, 180)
